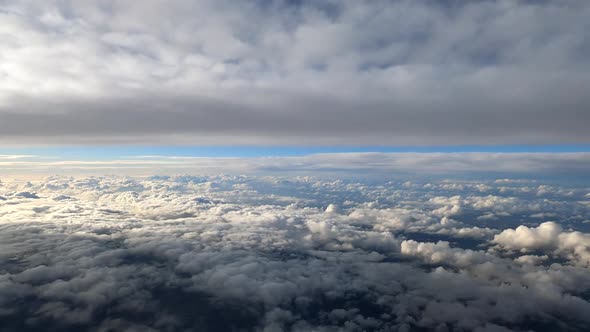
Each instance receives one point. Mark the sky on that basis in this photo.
(295, 165)
(294, 73)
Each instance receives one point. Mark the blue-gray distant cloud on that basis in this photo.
(575, 165)
(295, 72)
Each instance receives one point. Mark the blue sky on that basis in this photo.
(116, 152)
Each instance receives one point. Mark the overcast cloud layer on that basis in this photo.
(230, 253)
(295, 72)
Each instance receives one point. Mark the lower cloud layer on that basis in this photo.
(230, 253)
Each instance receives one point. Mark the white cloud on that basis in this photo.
(169, 253)
(359, 164)
(548, 236)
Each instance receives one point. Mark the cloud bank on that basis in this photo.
(574, 165)
(294, 72)
(224, 253)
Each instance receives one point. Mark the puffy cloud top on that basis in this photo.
(219, 253)
(548, 235)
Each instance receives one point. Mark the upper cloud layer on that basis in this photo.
(315, 72)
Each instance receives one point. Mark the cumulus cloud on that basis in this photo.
(170, 253)
(548, 236)
(316, 72)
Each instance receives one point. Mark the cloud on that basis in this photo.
(548, 236)
(14, 156)
(270, 253)
(311, 72)
(482, 164)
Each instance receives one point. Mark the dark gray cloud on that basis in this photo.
(223, 253)
(306, 72)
